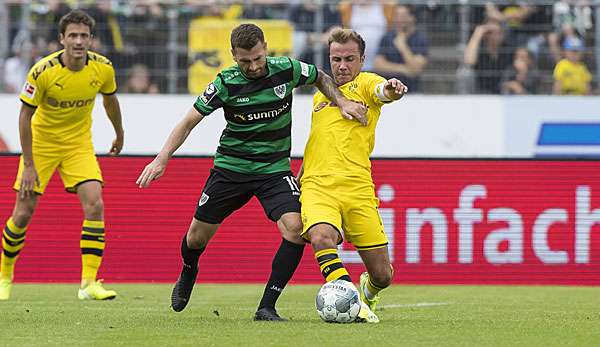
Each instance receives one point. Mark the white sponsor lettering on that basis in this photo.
(513, 235)
(584, 220)
(501, 245)
(266, 114)
(540, 236)
(415, 220)
(466, 216)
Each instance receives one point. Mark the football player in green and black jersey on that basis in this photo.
(253, 156)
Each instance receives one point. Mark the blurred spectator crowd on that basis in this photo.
(435, 47)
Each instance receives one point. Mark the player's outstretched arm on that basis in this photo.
(350, 110)
(156, 168)
(113, 111)
(392, 89)
(29, 177)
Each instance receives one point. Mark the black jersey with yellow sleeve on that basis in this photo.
(64, 99)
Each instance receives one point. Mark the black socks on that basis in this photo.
(284, 264)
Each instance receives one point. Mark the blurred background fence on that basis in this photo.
(437, 47)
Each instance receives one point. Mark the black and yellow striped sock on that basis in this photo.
(92, 248)
(331, 266)
(372, 289)
(13, 240)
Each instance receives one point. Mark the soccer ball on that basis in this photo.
(337, 302)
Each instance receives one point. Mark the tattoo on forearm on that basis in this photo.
(329, 88)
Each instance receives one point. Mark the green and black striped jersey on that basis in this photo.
(257, 138)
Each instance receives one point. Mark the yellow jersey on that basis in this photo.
(341, 147)
(64, 100)
(573, 77)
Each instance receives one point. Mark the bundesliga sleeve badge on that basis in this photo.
(28, 90)
(209, 93)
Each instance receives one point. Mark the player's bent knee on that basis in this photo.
(23, 212)
(197, 239)
(200, 233)
(22, 217)
(94, 209)
(382, 278)
(291, 231)
(294, 227)
(290, 223)
(323, 239)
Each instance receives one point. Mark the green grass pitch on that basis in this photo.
(220, 315)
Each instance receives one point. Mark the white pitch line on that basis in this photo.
(213, 305)
(418, 304)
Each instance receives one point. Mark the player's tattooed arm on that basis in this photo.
(349, 109)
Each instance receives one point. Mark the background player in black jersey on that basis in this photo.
(252, 158)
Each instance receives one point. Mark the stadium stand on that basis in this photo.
(156, 34)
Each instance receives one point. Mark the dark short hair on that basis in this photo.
(340, 35)
(76, 17)
(246, 36)
(409, 8)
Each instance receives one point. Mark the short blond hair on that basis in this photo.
(340, 35)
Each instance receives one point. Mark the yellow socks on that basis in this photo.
(331, 266)
(371, 290)
(13, 240)
(92, 248)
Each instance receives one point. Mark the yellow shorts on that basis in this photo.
(348, 204)
(74, 166)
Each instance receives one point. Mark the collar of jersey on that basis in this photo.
(355, 78)
(87, 58)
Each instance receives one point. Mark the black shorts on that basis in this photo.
(226, 191)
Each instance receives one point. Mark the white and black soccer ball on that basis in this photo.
(338, 302)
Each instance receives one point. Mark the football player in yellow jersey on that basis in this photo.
(337, 191)
(55, 130)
